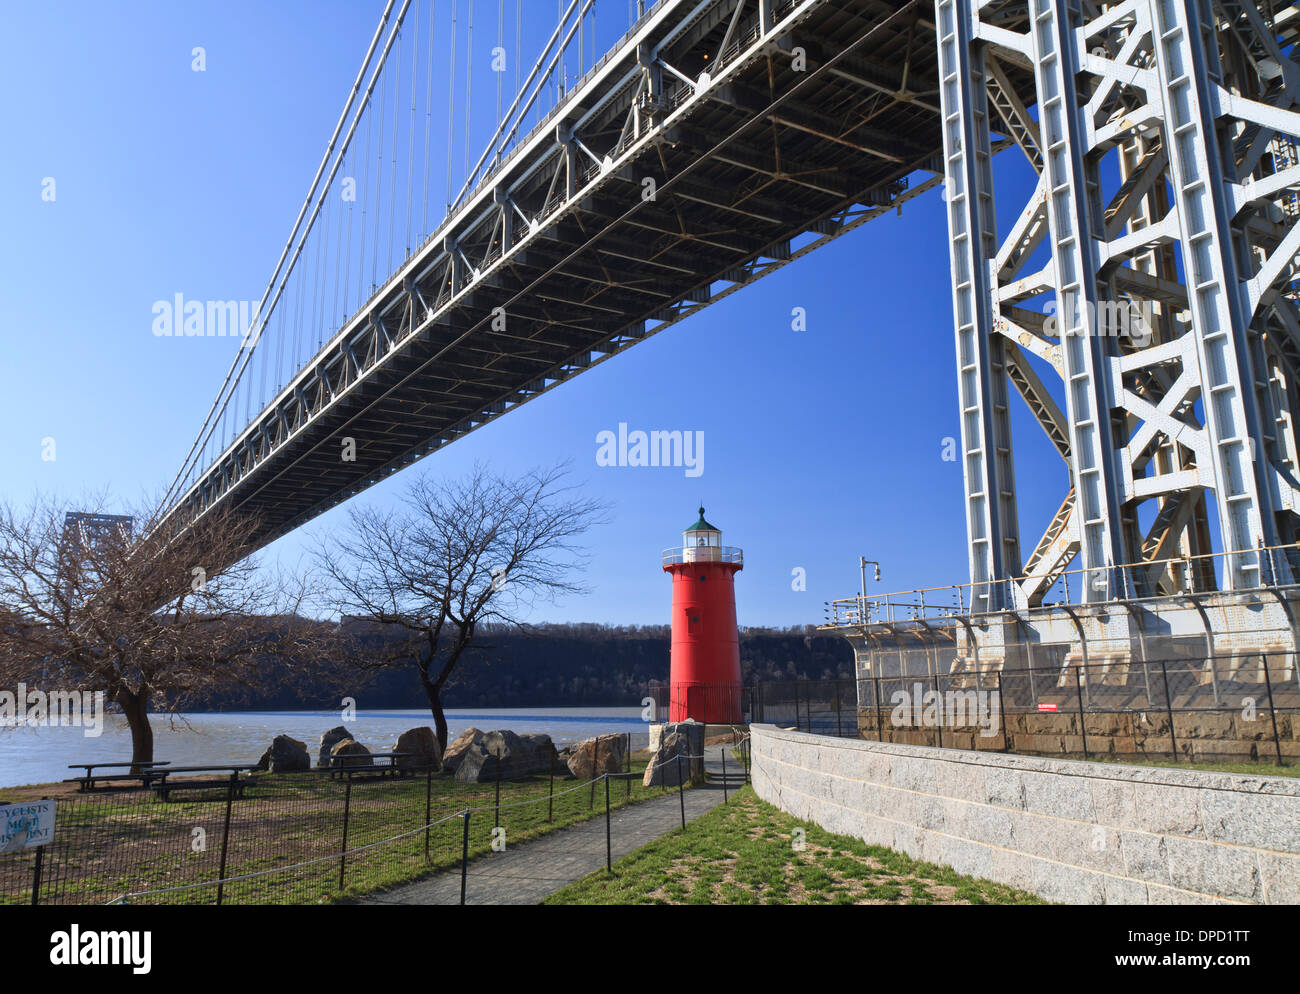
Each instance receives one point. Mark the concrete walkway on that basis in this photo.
(529, 872)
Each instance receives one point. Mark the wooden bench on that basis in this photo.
(164, 787)
(87, 781)
(373, 770)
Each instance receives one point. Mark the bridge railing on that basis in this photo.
(1264, 568)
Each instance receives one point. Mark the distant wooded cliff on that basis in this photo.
(573, 665)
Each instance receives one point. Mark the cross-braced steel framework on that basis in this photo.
(1162, 237)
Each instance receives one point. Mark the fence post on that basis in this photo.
(938, 697)
(225, 839)
(724, 775)
(681, 796)
(1272, 712)
(36, 874)
(428, 810)
(1002, 710)
(880, 722)
(839, 724)
(1169, 711)
(496, 816)
(347, 811)
(464, 857)
(627, 795)
(1078, 693)
(609, 857)
(550, 800)
(796, 707)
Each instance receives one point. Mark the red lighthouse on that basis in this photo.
(704, 683)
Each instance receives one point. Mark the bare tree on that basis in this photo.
(152, 612)
(457, 556)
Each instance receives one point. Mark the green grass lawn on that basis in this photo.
(111, 843)
(748, 852)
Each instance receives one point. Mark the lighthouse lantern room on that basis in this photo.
(704, 680)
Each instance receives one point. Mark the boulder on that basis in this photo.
(327, 742)
(506, 755)
(598, 756)
(458, 747)
(422, 743)
(668, 744)
(542, 754)
(350, 752)
(286, 755)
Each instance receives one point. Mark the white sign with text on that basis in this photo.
(25, 825)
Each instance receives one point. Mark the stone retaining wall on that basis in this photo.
(1070, 831)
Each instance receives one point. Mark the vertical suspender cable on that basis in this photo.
(501, 27)
(365, 201)
(550, 69)
(451, 100)
(519, 53)
(410, 137)
(428, 120)
(279, 349)
(397, 109)
(382, 114)
(347, 266)
(510, 113)
(299, 279)
(321, 307)
(469, 82)
(337, 315)
(307, 201)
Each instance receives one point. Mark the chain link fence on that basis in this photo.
(1240, 708)
(296, 838)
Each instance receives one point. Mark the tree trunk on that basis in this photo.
(433, 692)
(136, 709)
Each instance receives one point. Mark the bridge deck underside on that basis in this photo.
(772, 153)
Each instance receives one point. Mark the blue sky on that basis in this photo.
(820, 445)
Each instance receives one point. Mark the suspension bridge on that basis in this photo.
(715, 141)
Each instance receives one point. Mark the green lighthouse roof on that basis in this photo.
(702, 525)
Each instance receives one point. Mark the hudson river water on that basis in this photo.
(42, 754)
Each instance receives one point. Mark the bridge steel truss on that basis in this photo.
(1162, 233)
(721, 140)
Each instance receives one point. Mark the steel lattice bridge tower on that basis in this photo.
(1143, 303)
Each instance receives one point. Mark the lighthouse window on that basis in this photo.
(704, 576)
(694, 626)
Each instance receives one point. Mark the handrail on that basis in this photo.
(704, 554)
(860, 609)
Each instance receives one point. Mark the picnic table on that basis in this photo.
(373, 770)
(164, 788)
(88, 780)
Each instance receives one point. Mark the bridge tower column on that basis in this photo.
(1144, 301)
(991, 518)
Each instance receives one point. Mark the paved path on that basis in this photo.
(529, 872)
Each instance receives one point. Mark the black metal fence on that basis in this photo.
(1215, 708)
(299, 837)
(828, 707)
(825, 707)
